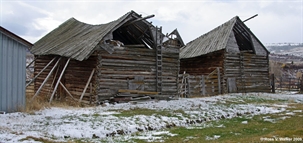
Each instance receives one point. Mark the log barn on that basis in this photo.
(231, 51)
(92, 63)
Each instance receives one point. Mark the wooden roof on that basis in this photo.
(215, 40)
(76, 39)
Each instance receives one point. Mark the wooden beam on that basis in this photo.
(67, 90)
(273, 83)
(57, 84)
(31, 63)
(45, 80)
(139, 19)
(40, 72)
(89, 79)
(203, 85)
(90, 92)
(135, 45)
(219, 81)
(137, 91)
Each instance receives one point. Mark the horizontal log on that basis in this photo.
(137, 92)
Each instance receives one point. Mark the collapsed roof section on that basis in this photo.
(78, 40)
(218, 38)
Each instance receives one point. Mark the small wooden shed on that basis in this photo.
(234, 53)
(92, 63)
(13, 72)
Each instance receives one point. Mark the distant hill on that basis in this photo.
(286, 52)
(295, 49)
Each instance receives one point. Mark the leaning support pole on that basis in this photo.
(89, 79)
(45, 80)
(31, 63)
(57, 84)
(67, 91)
(40, 72)
(273, 88)
(219, 81)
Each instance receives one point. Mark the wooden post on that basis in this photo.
(40, 72)
(90, 92)
(45, 80)
(273, 88)
(219, 81)
(301, 86)
(281, 86)
(89, 79)
(203, 85)
(289, 82)
(57, 84)
(188, 86)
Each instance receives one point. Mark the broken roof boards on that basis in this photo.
(241, 57)
(122, 53)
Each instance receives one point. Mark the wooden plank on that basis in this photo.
(203, 85)
(45, 80)
(219, 80)
(67, 90)
(40, 72)
(89, 79)
(57, 84)
(137, 91)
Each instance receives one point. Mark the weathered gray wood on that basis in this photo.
(203, 85)
(40, 72)
(67, 90)
(31, 63)
(137, 45)
(45, 80)
(57, 84)
(219, 80)
(90, 92)
(89, 79)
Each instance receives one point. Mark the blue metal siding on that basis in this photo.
(12, 73)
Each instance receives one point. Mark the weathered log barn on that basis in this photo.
(231, 51)
(89, 63)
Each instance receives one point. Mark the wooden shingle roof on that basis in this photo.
(76, 39)
(212, 41)
(217, 39)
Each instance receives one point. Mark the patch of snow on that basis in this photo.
(61, 124)
(290, 113)
(244, 122)
(212, 138)
(220, 126)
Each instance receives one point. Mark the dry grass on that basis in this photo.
(42, 102)
(40, 139)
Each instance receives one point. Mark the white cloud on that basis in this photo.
(278, 21)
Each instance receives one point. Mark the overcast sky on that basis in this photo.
(278, 21)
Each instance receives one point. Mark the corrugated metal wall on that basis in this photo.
(12, 74)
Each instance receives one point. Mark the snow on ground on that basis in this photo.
(99, 122)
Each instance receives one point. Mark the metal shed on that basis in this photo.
(12, 73)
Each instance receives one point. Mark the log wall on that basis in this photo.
(135, 69)
(202, 65)
(74, 78)
(40, 63)
(250, 71)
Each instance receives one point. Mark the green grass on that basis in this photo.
(234, 130)
(148, 112)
